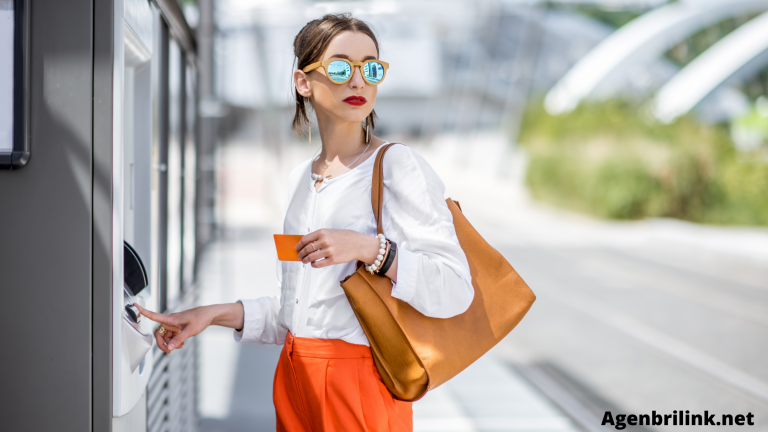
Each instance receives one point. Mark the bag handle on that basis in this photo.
(377, 187)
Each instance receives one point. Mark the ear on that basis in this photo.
(301, 81)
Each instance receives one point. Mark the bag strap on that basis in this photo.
(377, 187)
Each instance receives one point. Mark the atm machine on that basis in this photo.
(96, 163)
(132, 175)
(153, 162)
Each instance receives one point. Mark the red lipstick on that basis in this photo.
(356, 100)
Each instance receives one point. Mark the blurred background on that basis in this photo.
(615, 151)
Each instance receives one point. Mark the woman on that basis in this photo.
(326, 379)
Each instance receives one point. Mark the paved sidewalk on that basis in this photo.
(488, 396)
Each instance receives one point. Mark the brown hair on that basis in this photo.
(310, 44)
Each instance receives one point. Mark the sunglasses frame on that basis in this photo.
(324, 64)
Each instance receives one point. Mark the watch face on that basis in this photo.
(134, 274)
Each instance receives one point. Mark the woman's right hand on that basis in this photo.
(179, 326)
(183, 325)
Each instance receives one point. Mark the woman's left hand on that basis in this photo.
(337, 246)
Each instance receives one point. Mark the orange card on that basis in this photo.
(286, 246)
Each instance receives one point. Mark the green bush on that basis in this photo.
(605, 159)
(743, 186)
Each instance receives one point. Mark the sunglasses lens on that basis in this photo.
(373, 72)
(339, 71)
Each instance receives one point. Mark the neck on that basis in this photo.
(340, 139)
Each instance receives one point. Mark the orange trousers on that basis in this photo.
(325, 385)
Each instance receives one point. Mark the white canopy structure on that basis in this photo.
(740, 53)
(634, 45)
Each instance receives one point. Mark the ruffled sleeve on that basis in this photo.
(433, 274)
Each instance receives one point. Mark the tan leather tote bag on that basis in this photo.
(415, 353)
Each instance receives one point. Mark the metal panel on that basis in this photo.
(171, 390)
(45, 226)
(138, 15)
(175, 17)
(102, 23)
(189, 240)
(162, 184)
(174, 174)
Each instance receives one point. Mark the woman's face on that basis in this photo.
(353, 100)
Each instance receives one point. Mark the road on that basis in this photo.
(631, 317)
(645, 334)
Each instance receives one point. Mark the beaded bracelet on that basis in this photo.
(382, 249)
(390, 258)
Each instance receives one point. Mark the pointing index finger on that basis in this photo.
(157, 317)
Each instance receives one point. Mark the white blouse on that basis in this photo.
(432, 273)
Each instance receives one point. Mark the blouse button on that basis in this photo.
(297, 301)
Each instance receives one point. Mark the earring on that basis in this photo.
(367, 135)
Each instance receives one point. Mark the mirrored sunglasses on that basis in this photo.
(340, 70)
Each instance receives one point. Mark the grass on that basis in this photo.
(605, 159)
